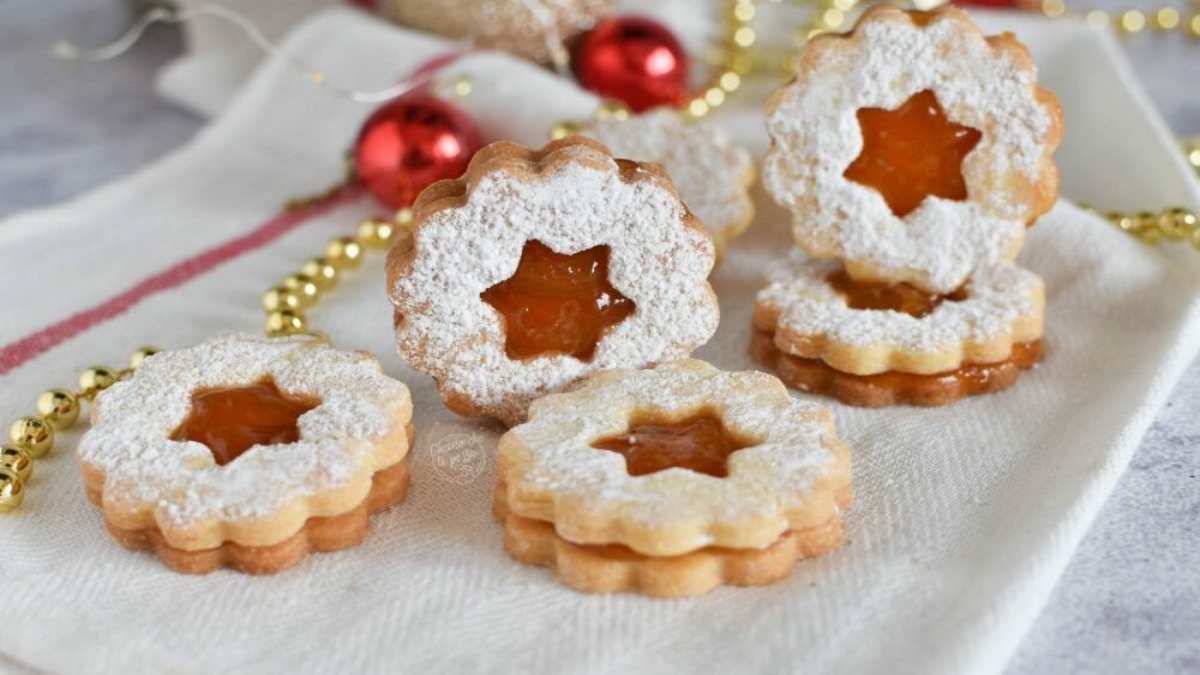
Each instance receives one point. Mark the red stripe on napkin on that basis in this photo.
(18, 352)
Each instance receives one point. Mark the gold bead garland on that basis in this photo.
(1191, 150)
(1164, 19)
(16, 460)
(1174, 225)
(285, 303)
(57, 410)
(12, 490)
(733, 59)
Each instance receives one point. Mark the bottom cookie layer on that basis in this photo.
(893, 388)
(319, 534)
(614, 568)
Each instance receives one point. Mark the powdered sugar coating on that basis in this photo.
(575, 198)
(550, 458)
(132, 422)
(522, 27)
(712, 174)
(987, 84)
(807, 308)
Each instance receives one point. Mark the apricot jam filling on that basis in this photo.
(899, 297)
(557, 304)
(974, 377)
(912, 152)
(700, 443)
(231, 420)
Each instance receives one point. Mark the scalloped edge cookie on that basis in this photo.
(987, 83)
(789, 480)
(814, 376)
(713, 175)
(1004, 305)
(146, 483)
(614, 568)
(571, 195)
(389, 486)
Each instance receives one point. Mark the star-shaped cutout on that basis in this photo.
(912, 152)
(557, 304)
(700, 443)
(231, 420)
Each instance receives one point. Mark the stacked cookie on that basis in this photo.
(912, 153)
(672, 481)
(247, 452)
(565, 269)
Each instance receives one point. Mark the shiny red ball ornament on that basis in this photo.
(634, 60)
(410, 143)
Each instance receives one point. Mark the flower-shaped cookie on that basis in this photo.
(538, 268)
(526, 28)
(712, 174)
(247, 452)
(760, 463)
(913, 148)
(806, 307)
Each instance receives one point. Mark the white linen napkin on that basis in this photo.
(965, 516)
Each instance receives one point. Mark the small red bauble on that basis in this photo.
(634, 60)
(410, 143)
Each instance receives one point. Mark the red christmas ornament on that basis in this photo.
(634, 60)
(410, 143)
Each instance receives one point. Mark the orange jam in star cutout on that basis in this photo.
(700, 443)
(912, 152)
(899, 297)
(557, 304)
(231, 420)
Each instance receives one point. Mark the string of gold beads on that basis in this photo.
(1191, 150)
(1164, 19)
(287, 302)
(1175, 224)
(32, 437)
(732, 57)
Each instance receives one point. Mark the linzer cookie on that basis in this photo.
(672, 481)
(712, 174)
(247, 452)
(533, 29)
(871, 344)
(540, 267)
(914, 148)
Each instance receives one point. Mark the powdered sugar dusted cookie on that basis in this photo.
(913, 148)
(872, 344)
(815, 312)
(611, 568)
(538, 268)
(247, 451)
(523, 27)
(712, 174)
(672, 460)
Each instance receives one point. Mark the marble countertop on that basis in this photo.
(1128, 602)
